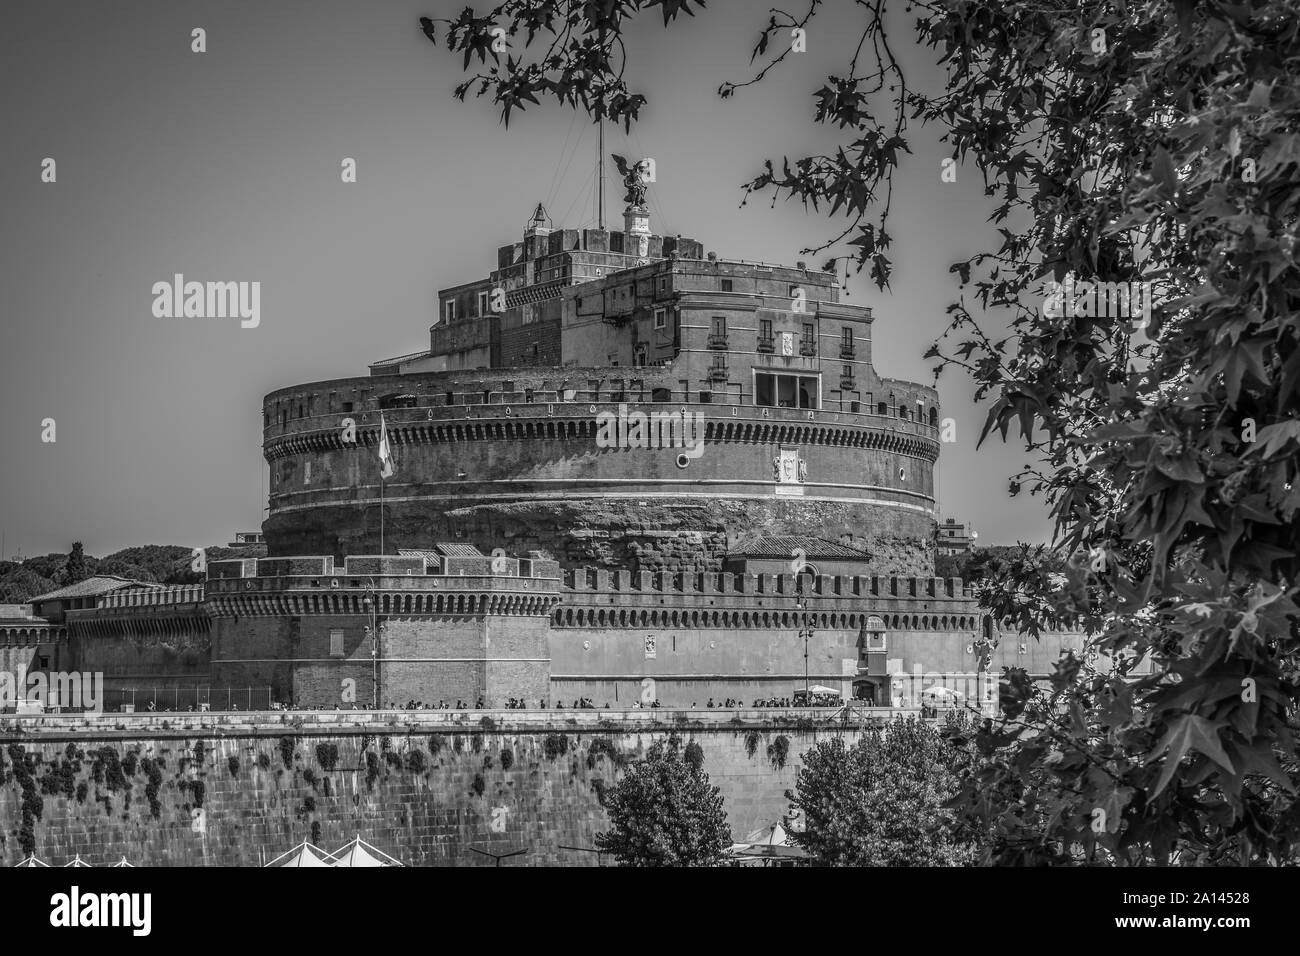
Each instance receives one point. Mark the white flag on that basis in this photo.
(385, 453)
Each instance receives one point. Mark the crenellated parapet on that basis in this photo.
(390, 585)
(162, 613)
(599, 598)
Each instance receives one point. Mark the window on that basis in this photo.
(846, 339)
(785, 391)
(726, 285)
(336, 642)
(719, 325)
(808, 335)
(661, 395)
(661, 318)
(482, 303)
(449, 310)
(528, 396)
(765, 329)
(706, 398)
(882, 409)
(794, 291)
(663, 283)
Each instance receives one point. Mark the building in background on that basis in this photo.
(953, 537)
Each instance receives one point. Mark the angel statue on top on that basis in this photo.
(636, 177)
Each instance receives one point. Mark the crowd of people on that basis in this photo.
(519, 703)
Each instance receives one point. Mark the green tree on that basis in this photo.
(882, 801)
(76, 569)
(664, 812)
(1151, 142)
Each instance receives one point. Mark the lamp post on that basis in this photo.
(806, 631)
(371, 603)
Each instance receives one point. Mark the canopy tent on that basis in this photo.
(123, 862)
(77, 861)
(766, 844)
(32, 861)
(304, 854)
(361, 853)
(773, 835)
(820, 689)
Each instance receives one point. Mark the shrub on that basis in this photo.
(752, 739)
(480, 784)
(232, 764)
(778, 750)
(507, 759)
(372, 769)
(327, 755)
(415, 760)
(694, 755)
(287, 748)
(555, 745)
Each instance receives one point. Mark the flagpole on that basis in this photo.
(381, 512)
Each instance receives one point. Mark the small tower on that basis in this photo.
(538, 226)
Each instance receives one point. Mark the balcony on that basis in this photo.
(766, 343)
(718, 374)
(848, 383)
(847, 351)
(718, 341)
(808, 347)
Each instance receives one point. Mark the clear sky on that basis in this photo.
(225, 166)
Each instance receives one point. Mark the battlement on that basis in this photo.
(152, 597)
(359, 571)
(599, 581)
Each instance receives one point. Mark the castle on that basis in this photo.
(624, 470)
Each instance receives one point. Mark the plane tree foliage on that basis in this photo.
(1118, 142)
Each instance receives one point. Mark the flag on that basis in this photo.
(385, 453)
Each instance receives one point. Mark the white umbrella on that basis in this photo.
(123, 862)
(77, 861)
(32, 861)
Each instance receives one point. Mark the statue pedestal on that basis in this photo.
(636, 228)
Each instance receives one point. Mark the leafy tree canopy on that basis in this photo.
(1151, 142)
(664, 812)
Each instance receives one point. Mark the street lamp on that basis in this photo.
(806, 631)
(371, 603)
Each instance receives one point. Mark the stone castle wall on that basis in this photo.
(426, 789)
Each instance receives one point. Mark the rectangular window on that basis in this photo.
(726, 285)
(846, 337)
(765, 329)
(661, 318)
(449, 310)
(336, 642)
(808, 335)
(663, 283)
(719, 325)
(482, 303)
(785, 391)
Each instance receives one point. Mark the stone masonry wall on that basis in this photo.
(427, 796)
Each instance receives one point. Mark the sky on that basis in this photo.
(225, 166)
